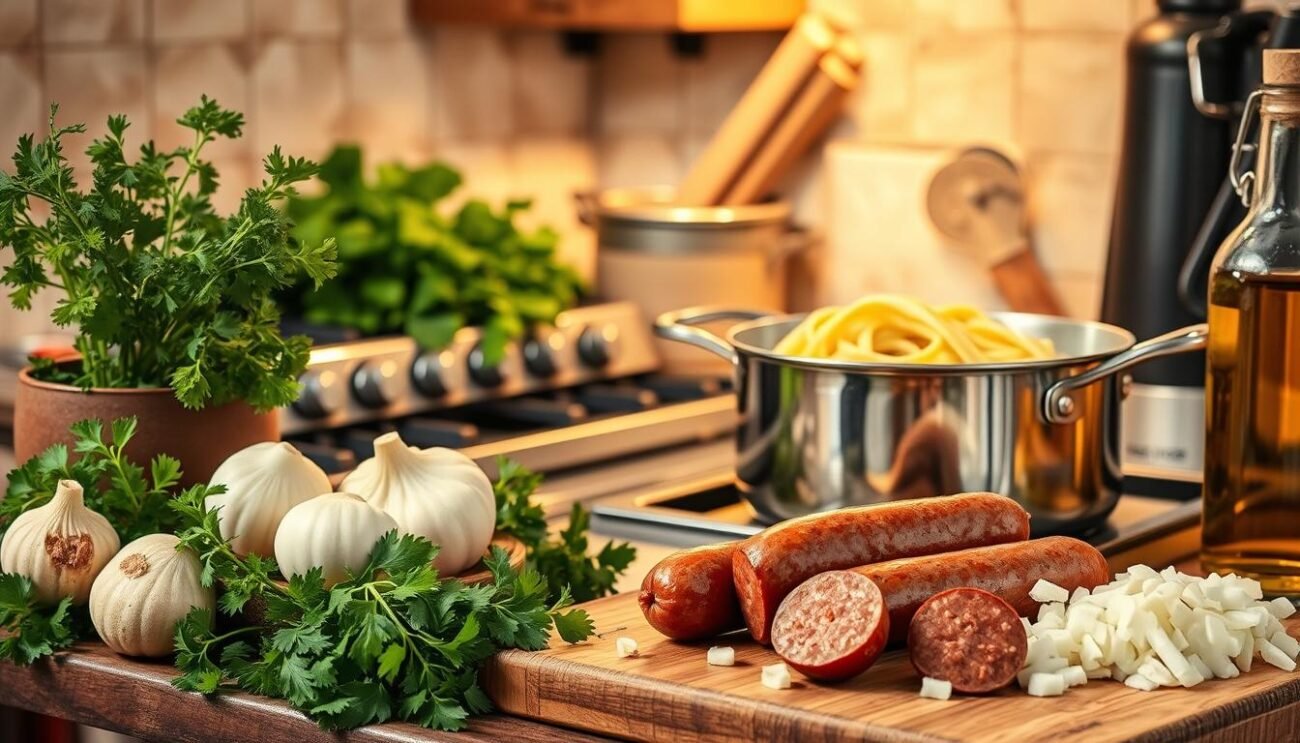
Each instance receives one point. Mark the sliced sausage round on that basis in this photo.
(969, 638)
(832, 627)
(689, 595)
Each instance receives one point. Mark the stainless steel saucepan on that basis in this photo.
(820, 434)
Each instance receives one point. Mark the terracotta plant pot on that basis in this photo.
(200, 439)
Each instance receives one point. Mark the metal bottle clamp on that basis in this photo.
(1243, 183)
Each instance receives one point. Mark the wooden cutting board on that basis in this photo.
(670, 693)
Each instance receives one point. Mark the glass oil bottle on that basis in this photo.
(1251, 522)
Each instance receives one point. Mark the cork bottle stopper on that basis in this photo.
(1282, 67)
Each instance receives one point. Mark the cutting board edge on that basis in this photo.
(1216, 719)
(536, 691)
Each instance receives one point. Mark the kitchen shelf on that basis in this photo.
(93, 686)
(690, 16)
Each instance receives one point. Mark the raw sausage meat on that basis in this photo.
(1006, 570)
(689, 595)
(832, 627)
(768, 565)
(969, 638)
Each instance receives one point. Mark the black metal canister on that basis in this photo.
(1172, 161)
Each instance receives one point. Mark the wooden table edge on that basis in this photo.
(91, 685)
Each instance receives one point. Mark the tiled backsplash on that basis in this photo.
(520, 116)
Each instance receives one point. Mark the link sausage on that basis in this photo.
(969, 638)
(833, 626)
(689, 594)
(1005, 570)
(768, 565)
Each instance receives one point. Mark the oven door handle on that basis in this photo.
(680, 326)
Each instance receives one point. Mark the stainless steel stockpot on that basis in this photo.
(821, 434)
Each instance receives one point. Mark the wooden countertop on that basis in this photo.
(94, 686)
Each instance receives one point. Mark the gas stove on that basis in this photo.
(584, 392)
(380, 379)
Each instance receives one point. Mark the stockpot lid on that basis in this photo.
(1076, 342)
(654, 207)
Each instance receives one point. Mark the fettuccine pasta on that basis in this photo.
(897, 329)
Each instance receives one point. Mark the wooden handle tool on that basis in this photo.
(757, 113)
(813, 111)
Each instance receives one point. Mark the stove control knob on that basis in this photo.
(479, 370)
(427, 374)
(596, 346)
(323, 393)
(375, 383)
(539, 356)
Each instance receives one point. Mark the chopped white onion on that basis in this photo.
(1046, 685)
(1286, 642)
(1073, 675)
(1044, 591)
(1281, 607)
(1138, 681)
(936, 688)
(776, 676)
(1273, 655)
(1150, 629)
(721, 656)
(625, 647)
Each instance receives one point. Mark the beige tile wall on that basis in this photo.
(1042, 78)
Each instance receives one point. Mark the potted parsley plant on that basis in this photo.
(171, 303)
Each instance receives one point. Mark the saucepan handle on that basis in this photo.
(1059, 405)
(680, 325)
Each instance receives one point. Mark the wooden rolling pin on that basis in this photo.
(758, 112)
(813, 111)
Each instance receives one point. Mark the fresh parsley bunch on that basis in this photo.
(563, 562)
(393, 642)
(115, 487)
(404, 267)
(162, 290)
(28, 630)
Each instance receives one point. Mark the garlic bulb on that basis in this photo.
(144, 593)
(334, 532)
(439, 494)
(60, 546)
(263, 482)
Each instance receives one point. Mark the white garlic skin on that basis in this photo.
(61, 546)
(263, 482)
(439, 494)
(142, 595)
(335, 532)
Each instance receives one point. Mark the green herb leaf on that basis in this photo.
(114, 486)
(563, 563)
(407, 268)
(574, 626)
(28, 630)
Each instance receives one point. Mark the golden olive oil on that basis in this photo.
(1252, 474)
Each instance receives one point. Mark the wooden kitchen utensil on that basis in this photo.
(758, 111)
(669, 693)
(977, 200)
(817, 106)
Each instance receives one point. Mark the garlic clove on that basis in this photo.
(263, 482)
(61, 546)
(439, 494)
